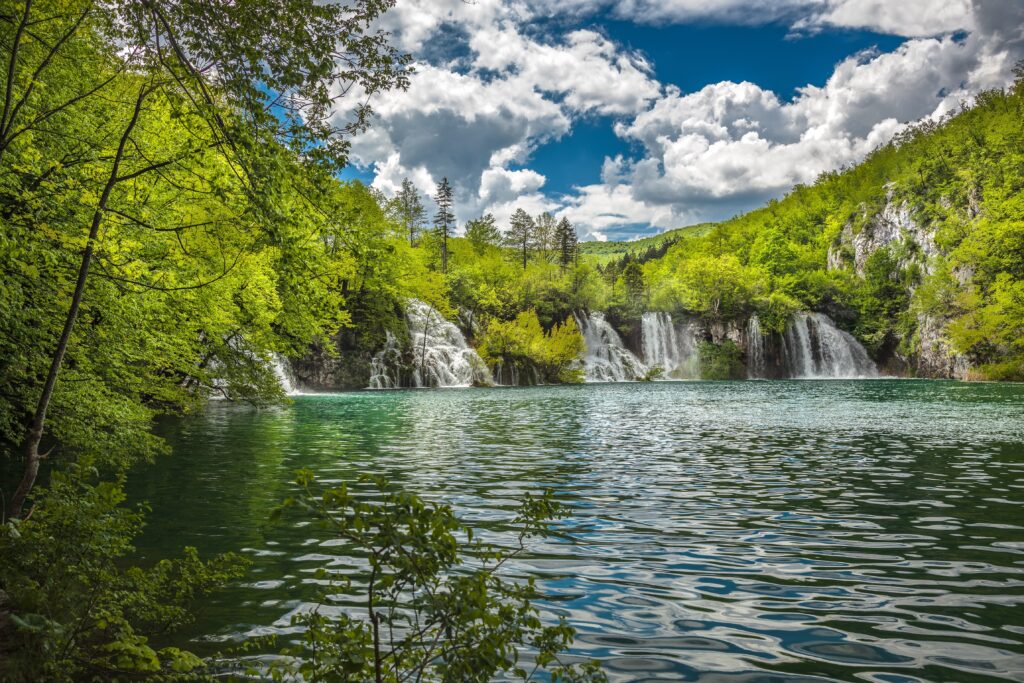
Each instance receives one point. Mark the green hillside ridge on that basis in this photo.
(918, 250)
(604, 252)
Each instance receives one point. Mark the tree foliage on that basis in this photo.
(433, 603)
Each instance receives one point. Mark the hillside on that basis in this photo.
(604, 252)
(918, 251)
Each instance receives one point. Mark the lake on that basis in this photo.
(721, 531)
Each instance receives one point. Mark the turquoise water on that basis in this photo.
(738, 531)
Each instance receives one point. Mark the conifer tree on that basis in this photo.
(444, 220)
(521, 234)
(566, 242)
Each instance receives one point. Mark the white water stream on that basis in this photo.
(815, 348)
(438, 354)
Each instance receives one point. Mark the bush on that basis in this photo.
(78, 612)
(522, 343)
(431, 603)
(721, 361)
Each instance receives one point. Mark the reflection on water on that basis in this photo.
(758, 531)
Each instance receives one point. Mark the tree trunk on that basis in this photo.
(34, 435)
(12, 72)
(444, 249)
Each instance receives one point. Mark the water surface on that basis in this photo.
(736, 531)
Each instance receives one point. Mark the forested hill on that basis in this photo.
(643, 248)
(918, 251)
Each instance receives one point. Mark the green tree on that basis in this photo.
(523, 344)
(521, 234)
(566, 243)
(202, 62)
(634, 286)
(483, 232)
(434, 607)
(545, 229)
(409, 210)
(444, 220)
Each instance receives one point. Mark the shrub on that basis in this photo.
(721, 361)
(432, 605)
(522, 343)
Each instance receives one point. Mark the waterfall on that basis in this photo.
(283, 372)
(755, 348)
(511, 376)
(606, 358)
(668, 346)
(385, 367)
(440, 355)
(660, 341)
(815, 347)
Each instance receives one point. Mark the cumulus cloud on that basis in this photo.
(910, 18)
(731, 146)
(468, 117)
(914, 18)
(489, 91)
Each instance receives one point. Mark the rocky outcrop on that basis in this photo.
(928, 352)
(347, 363)
(893, 225)
(934, 356)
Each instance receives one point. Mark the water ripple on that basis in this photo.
(722, 532)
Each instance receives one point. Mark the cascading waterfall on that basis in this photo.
(660, 341)
(283, 372)
(815, 347)
(512, 376)
(755, 349)
(606, 358)
(440, 356)
(671, 347)
(385, 367)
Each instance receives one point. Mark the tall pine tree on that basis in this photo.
(566, 243)
(445, 219)
(520, 235)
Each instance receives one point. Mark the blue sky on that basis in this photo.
(690, 57)
(632, 117)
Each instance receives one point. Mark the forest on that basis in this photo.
(173, 222)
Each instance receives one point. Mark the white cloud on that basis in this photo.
(597, 209)
(592, 73)
(490, 97)
(489, 91)
(739, 140)
(499, 185)
(910, 18)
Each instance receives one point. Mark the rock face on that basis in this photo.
(894, 224)
(935, 357)
(348, 362)
(930, 353)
